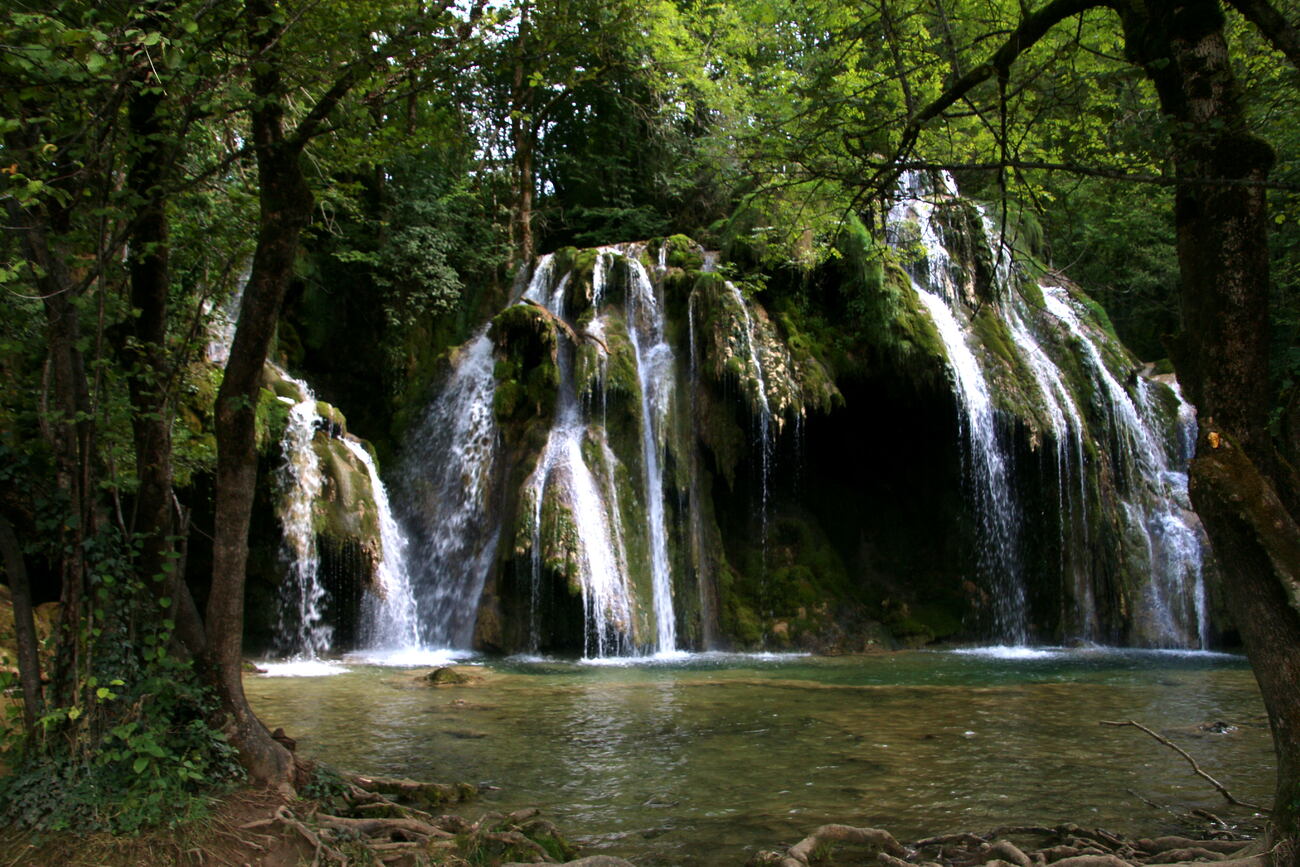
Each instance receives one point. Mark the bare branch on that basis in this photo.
(1195, 767)
(1032, 28)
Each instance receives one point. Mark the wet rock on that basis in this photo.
(449, 676)
(1219, 727)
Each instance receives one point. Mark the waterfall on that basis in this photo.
(1150, 478)
(754, 367)
(986, 460)
(1153, 488)
(655, 371)
(997, 508)
(302, 633)
(563, 479)
(389, 617)
(445, 484)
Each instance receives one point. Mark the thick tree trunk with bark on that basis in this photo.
(1222, 359)
(285, 206)
(147, 373)
(71, 428)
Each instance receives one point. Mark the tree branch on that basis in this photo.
(1032, 28)
(1272, 25)
(1114, 174)
(1195, 767)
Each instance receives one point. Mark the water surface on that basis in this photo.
(703, 759)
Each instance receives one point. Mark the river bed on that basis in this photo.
(704, 759)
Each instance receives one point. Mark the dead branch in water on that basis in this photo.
(1195, 767)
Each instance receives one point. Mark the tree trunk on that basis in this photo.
(147, 372)
(1222, 359)
(72, 428)
(1257, 546)
(285, 205)
(29, 664)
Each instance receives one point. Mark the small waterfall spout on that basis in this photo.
(654, 362)
(389, 618)
(302, 634)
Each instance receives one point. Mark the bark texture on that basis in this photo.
(29, 665)
(1222, 224)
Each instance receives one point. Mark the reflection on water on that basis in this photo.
(703, 759)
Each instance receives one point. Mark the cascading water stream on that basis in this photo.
(987, 463)
(563, 478)
(654, 362)
(997, 508)
(302, 634)
(389, 616)
(445, 482)
(754, 365)
(1154, 493)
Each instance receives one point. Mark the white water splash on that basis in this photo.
(445, 480)
(655, 370)
(302, 633)
(390, 619)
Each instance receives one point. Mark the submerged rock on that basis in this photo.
(449, 676)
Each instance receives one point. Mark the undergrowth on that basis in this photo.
(128, 743)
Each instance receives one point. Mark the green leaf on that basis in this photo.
(140, 764)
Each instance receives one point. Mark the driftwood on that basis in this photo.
(800, 853)
(1195, 767)
(566, 327)
(1166, 844)
(373, 827)
(1005, 850)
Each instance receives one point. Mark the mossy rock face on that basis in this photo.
(607, 376)
(740, 345)
(683, 253)
(965, 239)
(527, 375)
(346, 510)
(281, 385)
(334, 421)
(271, 418)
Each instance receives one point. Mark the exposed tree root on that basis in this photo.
(1066, 845)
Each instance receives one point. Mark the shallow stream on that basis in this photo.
(704, 759)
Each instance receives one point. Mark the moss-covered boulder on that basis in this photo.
(526, 339)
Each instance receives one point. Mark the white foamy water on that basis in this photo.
(302, 668)
(302, 631)
(390, 619)
(417, 657)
